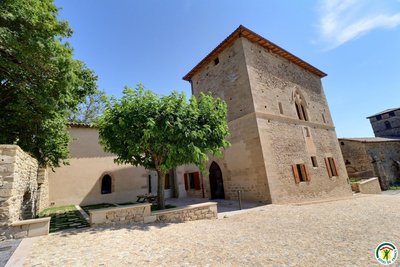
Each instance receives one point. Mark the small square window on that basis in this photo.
(391, 114)
(378, 118)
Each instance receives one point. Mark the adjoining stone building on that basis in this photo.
(386, 123)
(372, 157)
(379, 156)
(284, 146)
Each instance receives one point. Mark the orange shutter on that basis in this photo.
(197, 181)
(186, 181)
(335, 167)
(296, 174)
(328, 167)
(308, 178)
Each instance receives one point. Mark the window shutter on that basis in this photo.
(197, 181)
(296, 174)
(335, 167)
(166, 182)
(308, 178)
(328, 167)
(186, 181)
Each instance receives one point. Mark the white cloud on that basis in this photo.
(341, 21)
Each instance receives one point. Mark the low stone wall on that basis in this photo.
(370, 186)
(141, 213)
(30, 228)
(194, 212)
(127, 214)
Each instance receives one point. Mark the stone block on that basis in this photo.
(149, 219)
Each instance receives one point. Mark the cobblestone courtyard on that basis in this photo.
(339, 233)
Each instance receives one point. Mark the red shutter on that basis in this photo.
(296, 174)
(186, 181)
(166, 182)
(328, 167)
(197, 181)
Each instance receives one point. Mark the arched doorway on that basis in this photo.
(216, 182)
(106, 184)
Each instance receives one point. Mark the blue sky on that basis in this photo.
(356, 42)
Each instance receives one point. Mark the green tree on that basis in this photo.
(163, 132)
(40, 82)
(88, 111)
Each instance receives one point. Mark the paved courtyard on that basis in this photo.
(338, 233)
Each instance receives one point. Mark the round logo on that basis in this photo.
(386, 253)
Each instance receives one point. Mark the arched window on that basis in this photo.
(300, 105)
(106, 184)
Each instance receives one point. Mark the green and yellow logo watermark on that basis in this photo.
(386, 253)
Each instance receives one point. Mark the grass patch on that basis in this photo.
(167, 206)
(394, 187)
(65, 217)
(354, 179)
(97, 206)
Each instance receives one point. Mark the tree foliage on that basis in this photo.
(40, 82)
(163, 132)
(88, 111)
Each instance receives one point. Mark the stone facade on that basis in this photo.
(126, 214)
(372, 157)
(263, 87)
(386, 123)
(20, 187)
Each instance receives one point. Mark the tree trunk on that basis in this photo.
(160, 190)
(176, 183)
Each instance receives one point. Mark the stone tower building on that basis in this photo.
(284, 146)
(386, 123)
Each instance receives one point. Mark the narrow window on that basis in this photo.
(342, 143)
(303, 111)
(167, 184)
(388, 125)
(314, 161)
(307, 131)
(300, 173)
(331, 167)
(280, 108)
(216, 61)
(323, 118)
(106, 184)
(347, 162)
(298, 111)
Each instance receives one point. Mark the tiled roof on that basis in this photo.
(242, 31)
(80, 125)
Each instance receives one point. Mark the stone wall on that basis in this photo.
(127, 214)
(369, 186)
(141, 213)
(18, 187)
(371, 157)
(195, 212)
